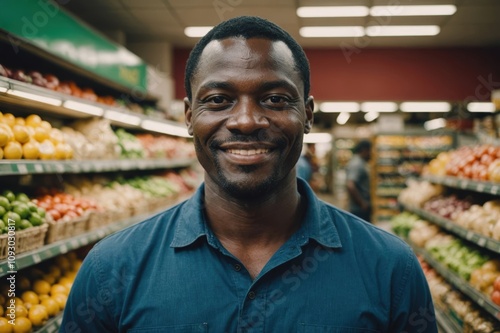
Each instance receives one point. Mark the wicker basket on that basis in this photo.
(66, 229)
(98, 219)
(26, 240)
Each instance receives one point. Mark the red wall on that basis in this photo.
(392, 74)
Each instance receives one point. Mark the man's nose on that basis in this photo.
(247, 116)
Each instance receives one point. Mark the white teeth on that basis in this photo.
(247, 152)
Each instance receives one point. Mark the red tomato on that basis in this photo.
(55, 214)
(495, 297)
(496, 284)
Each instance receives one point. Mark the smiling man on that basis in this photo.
(253, 250)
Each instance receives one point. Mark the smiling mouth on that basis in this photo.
(248, 152)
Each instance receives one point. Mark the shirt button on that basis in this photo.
(251, 294)
(237, 267)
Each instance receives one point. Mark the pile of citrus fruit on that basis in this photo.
(31, 138)
(41, 293)
(16, 209)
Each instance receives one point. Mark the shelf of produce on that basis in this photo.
(446, 324)
(475, 295)
(471, 236)
(52, 325)
(465, 184)
(48, 251)
(24, 167)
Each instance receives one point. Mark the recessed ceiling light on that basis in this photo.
(481, 107)
(339, 107)
(425, 107)
(197, 31)
(379, 107)
(343, 117)
(402, 30)
(332, 31)
(333, 11)
(371, 116)
(435, 124)
(419, 10)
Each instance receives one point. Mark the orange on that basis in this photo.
(47, 150)
(30, 297)
(38, 315)
(2, 300)
(13, 151)
(60, 299)
(52, 306)
(31, 150)
(59, 289)
(43, 297)
(1, 311)
(21, 311)
(63, 263)
(41, 134)
(22, 325)
(55, 271)
(33, 120)
(9, 119)
(5, 326)
(20, 121)
(41, 287)
(23, 283)
(21, 133)
(5, 135)
(67, 282)
(51, 279)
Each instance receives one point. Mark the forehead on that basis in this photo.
(253, 53)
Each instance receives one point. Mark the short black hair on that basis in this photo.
(248, 27)
(361, 146)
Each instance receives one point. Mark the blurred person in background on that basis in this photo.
(358, 180)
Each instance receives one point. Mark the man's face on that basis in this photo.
(247, 114)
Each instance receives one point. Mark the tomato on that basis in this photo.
(495, 297)
(496, 284)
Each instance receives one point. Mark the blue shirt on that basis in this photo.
(336, 274)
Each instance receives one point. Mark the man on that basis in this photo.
(253, 250)
(358, 180)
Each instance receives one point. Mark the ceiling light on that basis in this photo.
(122, 117)
(481, 107)
(83, 107)
(371, 116)
(402, 30)
(165, 128)
(339, 107)
(435, 124)
(425, 107)
(3, 89)
(422, 10)
(343, 117)
(333, 11)
(317, 138)
(35, 97)
(197, 31)
(379, 107)
(332, 31)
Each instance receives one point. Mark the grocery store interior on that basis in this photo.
(92, 133)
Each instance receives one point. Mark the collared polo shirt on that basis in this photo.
(170, 273)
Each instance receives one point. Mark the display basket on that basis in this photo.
(66, 229)
(26, 240)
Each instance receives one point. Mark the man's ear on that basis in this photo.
(309, 114)
(188, 113)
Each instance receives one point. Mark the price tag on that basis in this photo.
(481, 241)
(51, 329)
(494, 190)
(36, 258)
(101, 233)
(464, 184)
(22, 169)
(63, 248)
(74, 244)
(59, 167)
(480, 301)
(84, 241)
(480, 187)
(469, 235)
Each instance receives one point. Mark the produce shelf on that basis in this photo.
(24, 167)
(445, 323)
(52, 325)
(48, 251)
(475, 295)
(465, 184)
(471, 236)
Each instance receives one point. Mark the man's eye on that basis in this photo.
(217, 100)
(276, 99)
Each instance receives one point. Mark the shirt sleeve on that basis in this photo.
(90, 301)
(412, 310)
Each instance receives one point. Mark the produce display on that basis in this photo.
(484, 220)
(162, 146)
(418, 192)
(41, 293)
(130, 145)
(403, 223)
(63, 206)
(31, 138)
(449, 207)
(481, 162)
(20, 210)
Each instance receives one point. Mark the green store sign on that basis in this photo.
(47, 25)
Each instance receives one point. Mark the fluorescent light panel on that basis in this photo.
(164, 128)
(379, 107)
(481, 107)
(333, 11)
(419, 10)
(35, 97)
(435, 124)
(402, 30)
(425, 107)
(3, 89)
(339, 107)
(122, 117)
(197, 31)
(317, 138)
(343, 117)
(332, 31)
(371, 116)
(84, 108)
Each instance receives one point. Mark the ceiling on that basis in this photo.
(475, 23)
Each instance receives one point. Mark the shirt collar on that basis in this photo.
(317, 225)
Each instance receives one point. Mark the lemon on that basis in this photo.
(9, 119)
(30, 297)
(41, 287)
(33, 120)
(41, 134)
(59, 289)
(1, 153)
(5, 136)
(61, 299)
(31, 150)
(22, 325)
(45, 124)
(21, 133)
(47, 150)
(13, 151)
(21, 311)
(5, 326)
(20, 121)
(51, 305)
(38, 314)
(60, 151)
(56, 136)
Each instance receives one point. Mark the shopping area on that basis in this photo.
(93, 140)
